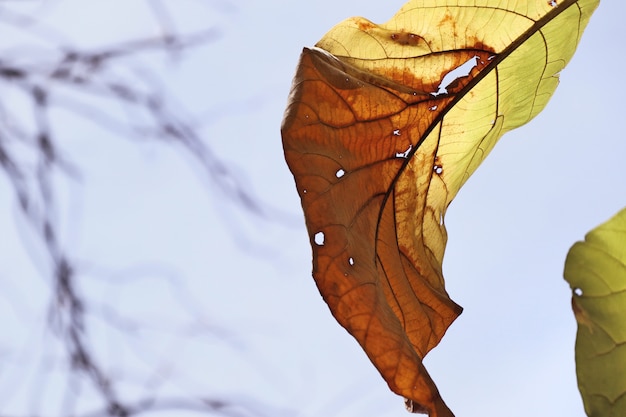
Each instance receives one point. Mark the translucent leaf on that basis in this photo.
(384, 124)
(596, 271)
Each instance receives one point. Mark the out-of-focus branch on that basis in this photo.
(238, 408)
(31, 155)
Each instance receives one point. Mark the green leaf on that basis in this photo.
(596, 272)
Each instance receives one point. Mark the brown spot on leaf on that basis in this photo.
(477, 44)
(447, 19)
(407, 38)
(365, 25)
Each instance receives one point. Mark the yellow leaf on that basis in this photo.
(384, 125)
(596, 271)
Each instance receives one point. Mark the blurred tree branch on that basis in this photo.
(79, 81)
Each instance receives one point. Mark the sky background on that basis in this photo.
(191, 294)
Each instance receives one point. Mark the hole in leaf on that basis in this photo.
(319, 238)
(461, 71)
(396, 132)
(432, 108)
(351, 261)
(578, 292)
(404, 154)
(553, 3)
(413, 407)
(340, 173)
(438, 169)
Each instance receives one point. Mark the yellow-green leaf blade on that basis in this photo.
(596, 271)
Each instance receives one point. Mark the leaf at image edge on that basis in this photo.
(596, 271)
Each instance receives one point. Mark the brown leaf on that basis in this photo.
(347, 142)
(381, 132)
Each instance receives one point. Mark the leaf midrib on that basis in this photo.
(532, 30)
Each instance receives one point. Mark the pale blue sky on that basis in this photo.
(241, 287)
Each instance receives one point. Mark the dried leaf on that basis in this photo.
(384, 124)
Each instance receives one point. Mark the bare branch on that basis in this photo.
(62, 76)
